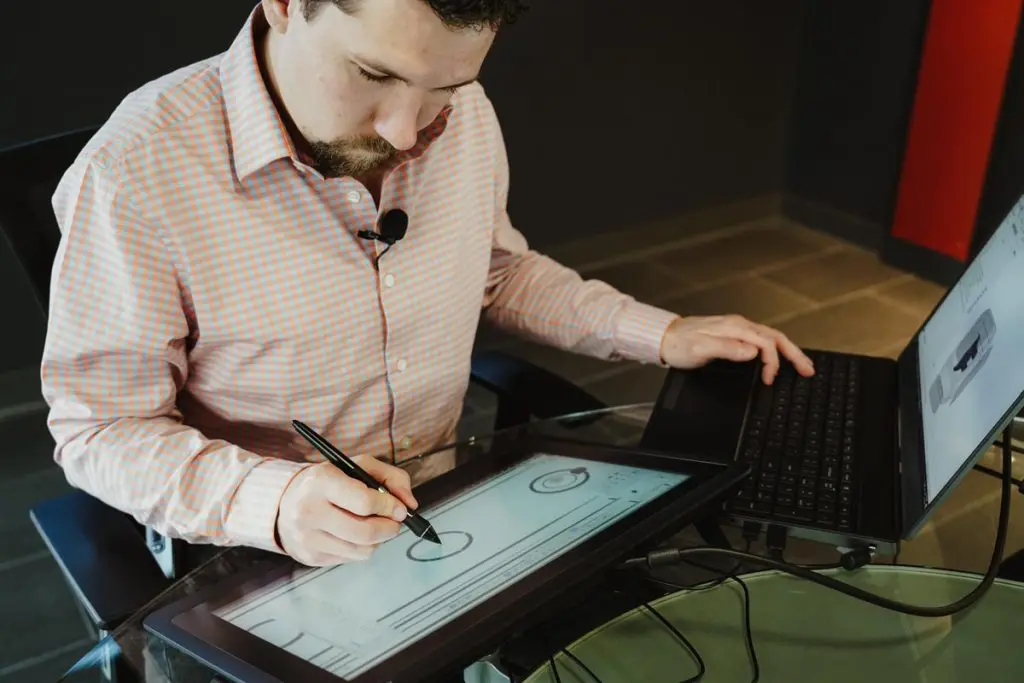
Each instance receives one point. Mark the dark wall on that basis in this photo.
(71, 73)
(851, 111)
(1004, 181)
(615, 115)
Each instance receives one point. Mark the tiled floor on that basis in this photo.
(820, 291)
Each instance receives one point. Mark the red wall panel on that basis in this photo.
(966, 54)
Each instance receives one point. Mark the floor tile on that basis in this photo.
(49, 668)
(18, 537)
(755, 298)
(645, 281)
(734, 254)
(919, 295)
(860, 325)
(26, 446)
(37, 612)
(672, 229)
(833, 275)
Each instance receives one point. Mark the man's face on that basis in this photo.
(360, 87)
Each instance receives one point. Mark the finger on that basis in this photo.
(752, 334)
(793, 352)
(353, 495)
(712, 346)
(395, 479)
(360, 531)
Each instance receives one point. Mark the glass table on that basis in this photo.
(804, 632)
(800, 630)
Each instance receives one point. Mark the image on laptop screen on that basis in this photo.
(972, 354)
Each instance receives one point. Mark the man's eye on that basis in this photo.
(374, 78)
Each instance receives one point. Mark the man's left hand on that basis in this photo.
(691, 342)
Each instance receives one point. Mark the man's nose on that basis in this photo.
(397, 123)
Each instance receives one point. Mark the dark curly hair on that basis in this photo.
(456, 14)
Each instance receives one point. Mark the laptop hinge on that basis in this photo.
(899, 429)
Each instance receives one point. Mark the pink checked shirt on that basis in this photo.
(210, 287)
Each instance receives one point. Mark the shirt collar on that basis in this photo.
(258, 135)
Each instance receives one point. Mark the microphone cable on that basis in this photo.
(676, 555)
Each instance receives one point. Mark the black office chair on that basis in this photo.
(109, 561)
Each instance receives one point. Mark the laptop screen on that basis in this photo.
(972, 354)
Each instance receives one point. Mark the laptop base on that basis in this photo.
(823, 450)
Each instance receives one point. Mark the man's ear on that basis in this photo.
(280, 12)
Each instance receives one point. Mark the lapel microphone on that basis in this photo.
(393, 225)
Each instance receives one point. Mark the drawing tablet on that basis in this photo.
(517, 528)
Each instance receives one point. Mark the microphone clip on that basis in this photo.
(371, 235)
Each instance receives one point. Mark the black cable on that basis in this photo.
(999, 443)
(808, 572)
(684, 641)
(580, 664)
(748, 630)
(670, 556)
(999, 475)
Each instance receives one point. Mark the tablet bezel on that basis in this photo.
(190, 625)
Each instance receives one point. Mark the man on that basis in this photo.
(212, 283)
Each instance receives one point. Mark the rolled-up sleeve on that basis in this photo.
(114, 361)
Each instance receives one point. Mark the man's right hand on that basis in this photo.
(326, 517)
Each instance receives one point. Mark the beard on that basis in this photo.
(352, 156)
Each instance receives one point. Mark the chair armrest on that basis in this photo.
(103, 556)
(524, 389)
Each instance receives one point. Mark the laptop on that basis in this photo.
(861, 454)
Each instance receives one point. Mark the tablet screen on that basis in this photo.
(348, 618)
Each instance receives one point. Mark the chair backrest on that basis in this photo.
(29, 174)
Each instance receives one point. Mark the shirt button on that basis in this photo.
(354, 197)
(389, 280)
(401, 365)
(406, 443)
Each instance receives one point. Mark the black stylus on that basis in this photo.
(417, 524)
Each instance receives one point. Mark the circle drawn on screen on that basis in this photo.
(560, 481)
(280, 633)
(452, 543)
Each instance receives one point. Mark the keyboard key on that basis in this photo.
(752, 507)
(805, 504)
(793, 515)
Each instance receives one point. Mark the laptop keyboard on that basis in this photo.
(801, 442)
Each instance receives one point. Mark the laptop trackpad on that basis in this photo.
(701, 412)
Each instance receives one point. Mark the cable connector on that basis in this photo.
(856, 558)
(751, 531)
(776, 541)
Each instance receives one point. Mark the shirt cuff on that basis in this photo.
(640, 330)
(252, 517)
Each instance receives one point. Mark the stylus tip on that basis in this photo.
(432, 536)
